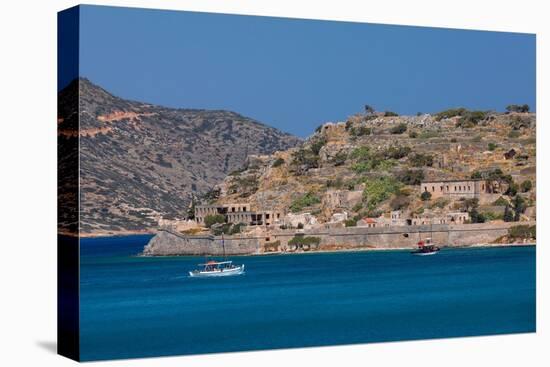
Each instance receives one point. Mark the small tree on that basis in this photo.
(425, 196)
(491, 146)
(191, 209)
(508, 214)
(519, 207)
(512, 189)
(526, 186)
(517, 108)
(369, 110)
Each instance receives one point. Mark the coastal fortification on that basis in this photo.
(168, 243)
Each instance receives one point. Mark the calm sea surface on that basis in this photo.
(139, 307)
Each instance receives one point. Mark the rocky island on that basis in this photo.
(374, 181)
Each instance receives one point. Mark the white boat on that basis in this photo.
(217, 269)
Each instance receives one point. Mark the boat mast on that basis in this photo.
(223, 247)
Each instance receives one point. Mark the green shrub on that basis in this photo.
(513, 189)
(304, 159)
(514, 134)
(361, 153)
(245, 185)
(476, 217)
(420, 160)
(379, 189)
(492, 146)
(306, 200)
(508, 214)
(317, 145)
(476, 175)
(399, 129)
(519, 207)
(411, 176)
(212, 219)
(390, 114)
(517, 108)
(523, 231)
(278, 162)
(222, 229)
(340, 158)
(450, 113)
(493, 216)
(352, 222)
(236, 228)
(367, 161)
(425, 196)
(413, 134)
(526, 186)
(501, 202)
(360, 131)
(471, 118)
(396, 152)
(300, 241)
(349, 125)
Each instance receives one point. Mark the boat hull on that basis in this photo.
(425, 253)
(238, 270)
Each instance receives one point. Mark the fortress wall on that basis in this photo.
(166, 243)
(171, 244)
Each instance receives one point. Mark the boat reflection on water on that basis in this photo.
(217, 269)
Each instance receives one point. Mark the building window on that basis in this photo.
(433, 188)
(440, 188)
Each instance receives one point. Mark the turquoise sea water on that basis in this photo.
(140, 307)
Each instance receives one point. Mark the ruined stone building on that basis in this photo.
(446, 218)
(238, 213)
(456, 189)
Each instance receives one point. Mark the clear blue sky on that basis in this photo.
(296, 74)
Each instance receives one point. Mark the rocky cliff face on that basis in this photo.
(140, 162)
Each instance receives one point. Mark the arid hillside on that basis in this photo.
(140, 162)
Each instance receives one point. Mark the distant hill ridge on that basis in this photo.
(140, 162)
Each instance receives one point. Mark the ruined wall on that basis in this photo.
(166, 243)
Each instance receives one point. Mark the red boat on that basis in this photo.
(425, 248)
